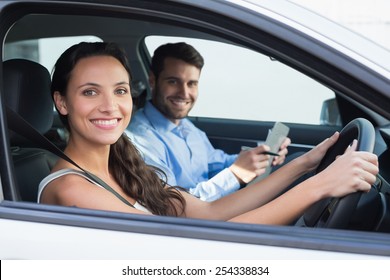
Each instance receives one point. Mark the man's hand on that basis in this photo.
(251, 163)
(283, 151)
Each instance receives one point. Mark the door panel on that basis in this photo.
(230, 135)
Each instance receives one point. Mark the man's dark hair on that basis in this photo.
(182, 51)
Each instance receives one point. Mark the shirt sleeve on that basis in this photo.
(223, 183)
(221, 180)
(217, 180)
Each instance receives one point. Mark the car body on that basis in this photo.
(352, 71)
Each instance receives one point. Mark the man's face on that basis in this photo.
(176, 90)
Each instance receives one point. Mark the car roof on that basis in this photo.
(296, 17)
(325, 30)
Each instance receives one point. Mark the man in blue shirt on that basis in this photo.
(168, 140)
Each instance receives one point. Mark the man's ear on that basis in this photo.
(152, 80)
(60, 103)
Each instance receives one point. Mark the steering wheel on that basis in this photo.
(336, 212)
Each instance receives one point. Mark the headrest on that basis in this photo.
(27, 92)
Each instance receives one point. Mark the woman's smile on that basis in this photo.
(106, 123)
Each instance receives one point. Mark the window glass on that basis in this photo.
(45, 51)
(238, 83)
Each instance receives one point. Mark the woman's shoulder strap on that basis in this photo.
(89, 176)
(57, 174)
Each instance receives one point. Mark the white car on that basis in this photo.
(314, 75)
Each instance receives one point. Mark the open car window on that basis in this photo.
(238, 83)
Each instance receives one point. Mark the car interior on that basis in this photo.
(31, 100)
(26, 89)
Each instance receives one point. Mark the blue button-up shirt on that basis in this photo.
(184, 153)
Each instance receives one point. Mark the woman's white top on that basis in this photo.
(62, 172)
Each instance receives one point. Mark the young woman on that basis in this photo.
(91, 91)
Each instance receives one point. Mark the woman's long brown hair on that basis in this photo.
(140, 181)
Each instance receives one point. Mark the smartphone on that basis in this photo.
(276, 136)
(274, 140)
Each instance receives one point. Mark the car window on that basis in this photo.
(234, 71)
(44, 51)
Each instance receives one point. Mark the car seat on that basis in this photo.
(27, 92)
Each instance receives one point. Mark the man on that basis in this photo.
(167, 138)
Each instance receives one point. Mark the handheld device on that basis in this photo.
(274, 140)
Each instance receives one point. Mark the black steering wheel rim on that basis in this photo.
(336, 212)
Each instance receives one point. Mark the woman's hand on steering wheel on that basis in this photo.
(350, 172)
(313, 157)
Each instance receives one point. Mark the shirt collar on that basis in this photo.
(158, 120)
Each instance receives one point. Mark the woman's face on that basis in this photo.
(98, 101)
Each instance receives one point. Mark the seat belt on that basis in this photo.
(22, 127)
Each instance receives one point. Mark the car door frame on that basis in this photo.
(14, 214)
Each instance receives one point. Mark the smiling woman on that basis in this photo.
(91, 91)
